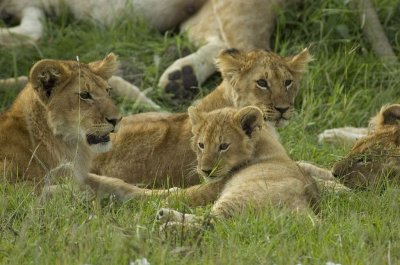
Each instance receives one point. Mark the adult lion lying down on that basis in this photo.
(153, 149)
(244, 167)
(62, 116)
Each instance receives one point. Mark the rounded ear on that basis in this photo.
(249, 119)
(298, 63)
(45, 75)
(106, 67)
(229, 62)
(391, 114)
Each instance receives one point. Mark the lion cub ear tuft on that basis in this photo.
(106, 67)
(249, 119)
(298, 63)
(45, 75)
(230, 61)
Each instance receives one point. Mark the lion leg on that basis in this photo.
(124, 191)
(253, 23)
(315, 171)
(323, 177)
(18, 82)
(125, 89)
(203, 194)
(29, 31)
(183, 77)
(346, 135)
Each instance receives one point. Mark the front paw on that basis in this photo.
(165, 215)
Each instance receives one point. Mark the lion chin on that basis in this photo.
(99, 144)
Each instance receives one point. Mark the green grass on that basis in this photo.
(346, 85)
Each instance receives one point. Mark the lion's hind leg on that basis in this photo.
(182, 78)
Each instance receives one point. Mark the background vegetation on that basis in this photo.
(346, 84)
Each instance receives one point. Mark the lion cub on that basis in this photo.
(153, 149)
(62, 116)
(244, 166)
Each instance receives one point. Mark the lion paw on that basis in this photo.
(182, 83)
(180, 79)
(165, 215)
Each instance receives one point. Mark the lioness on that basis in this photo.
(244, 166)
(153, 149)
(375, 156)
(62, 116)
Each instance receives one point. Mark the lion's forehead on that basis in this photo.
(217, 132)
(88, 81)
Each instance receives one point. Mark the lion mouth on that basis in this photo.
(96, 139)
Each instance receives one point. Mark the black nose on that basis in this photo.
(281, 110)
(207, 172)
(113, 121)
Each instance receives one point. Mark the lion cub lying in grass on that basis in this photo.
(153, 148)
(376, 156)
(62, 116)
(244, 166)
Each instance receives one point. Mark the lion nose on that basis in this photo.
(281, 110)
(207, 171)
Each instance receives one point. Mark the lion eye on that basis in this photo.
(262, 84)
(85, 95)
(223, 147)
(288, 83)
(201, 146)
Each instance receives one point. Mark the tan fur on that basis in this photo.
(212, 25)
(375, 157)
(255, 168)
(162, 15)
(44, 133)
(154, 150)
(221, 24)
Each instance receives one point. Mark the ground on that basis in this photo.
(345, 85)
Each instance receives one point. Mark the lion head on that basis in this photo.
(264, 79)
(77, 100)
(225, 139)
(376, 156)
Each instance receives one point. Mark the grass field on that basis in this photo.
(345, 85)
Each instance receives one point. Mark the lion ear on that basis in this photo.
(46, 75)
(229, 62)
(298, 63)
(196, 116)
(249, 119)
(106, 67)
(390, 114)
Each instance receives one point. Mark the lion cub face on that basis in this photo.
(375, 156)
(77, 99)
(224, 139)
(264, 79)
